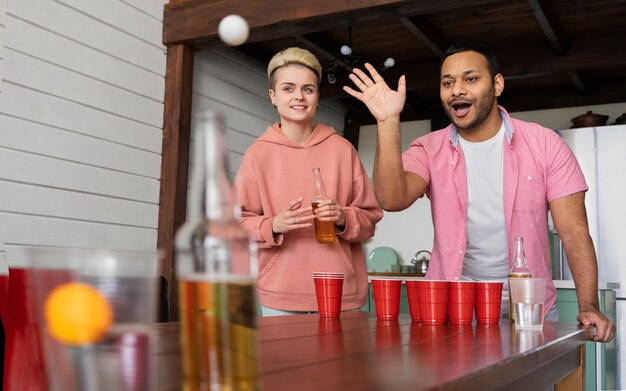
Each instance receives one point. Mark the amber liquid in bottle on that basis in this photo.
(216, 269)
(519, 269)
(324, 230)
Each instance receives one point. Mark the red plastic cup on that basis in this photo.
(386, 298)
(414, 305)
(24, 365)
(328, 275)
(4, 294)
(328, 289)
(461, 296)
(488, 301)
(433, 301)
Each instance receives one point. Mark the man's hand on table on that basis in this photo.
(605, 329)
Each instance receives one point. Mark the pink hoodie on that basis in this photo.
(276, 170)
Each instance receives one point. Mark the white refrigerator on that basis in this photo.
(601, 152)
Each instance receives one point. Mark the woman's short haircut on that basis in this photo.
(297, 56)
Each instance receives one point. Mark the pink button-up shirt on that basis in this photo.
(539, 167)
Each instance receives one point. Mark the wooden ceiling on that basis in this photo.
(553, 53)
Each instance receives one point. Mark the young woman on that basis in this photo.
(275, 186)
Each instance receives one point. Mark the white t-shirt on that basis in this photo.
(486, 254)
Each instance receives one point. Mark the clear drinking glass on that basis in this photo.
(121, 357)
(528, 297)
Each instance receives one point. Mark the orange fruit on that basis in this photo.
(76, 313)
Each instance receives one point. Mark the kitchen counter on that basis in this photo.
(569, 284)
(393, 276)
(559, 284)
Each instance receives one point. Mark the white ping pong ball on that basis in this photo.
(233, 30)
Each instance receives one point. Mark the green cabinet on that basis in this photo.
(600, 358)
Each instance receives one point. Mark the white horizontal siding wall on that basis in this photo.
(233, 84)
(81, 114)
(2, 9)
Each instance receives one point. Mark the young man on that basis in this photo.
(489, 178)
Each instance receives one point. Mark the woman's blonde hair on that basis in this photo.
(293, 55)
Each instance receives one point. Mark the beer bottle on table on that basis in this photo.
(216, 269)
(519, 269)
(324, 230)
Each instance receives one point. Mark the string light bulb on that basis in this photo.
(351, 59)
(389, 62)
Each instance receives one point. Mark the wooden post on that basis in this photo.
(174, 160)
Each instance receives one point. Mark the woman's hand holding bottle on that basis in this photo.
(329, 210)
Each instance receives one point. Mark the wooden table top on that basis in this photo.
(359, 352)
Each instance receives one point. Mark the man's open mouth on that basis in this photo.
(460, 108)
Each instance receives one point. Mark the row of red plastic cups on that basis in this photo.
(436, 302)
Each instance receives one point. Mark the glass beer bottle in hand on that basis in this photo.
(216, 269)
(519, 269)
(324, 230)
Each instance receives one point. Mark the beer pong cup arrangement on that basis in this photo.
(433, 301)
(328, 289)
(487, 302)
(437, 302)
(528, 296)
(461, 297)
(387, 298)
(414, 305)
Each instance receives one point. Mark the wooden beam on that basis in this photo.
(595, 52)
(557, 97)
(195, 22)
(420, 75)
(316, 48)
(174, 158)
(585, 54)
(580, 81)
(547, 21)
(549, 25)
(426, 33)
(323, 52)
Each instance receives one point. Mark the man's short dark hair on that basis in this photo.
(490, 56)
